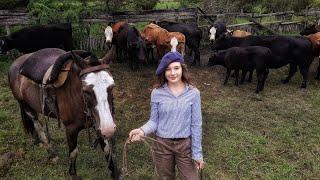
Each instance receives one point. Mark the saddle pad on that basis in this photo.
(39, 62)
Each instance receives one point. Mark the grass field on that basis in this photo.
(273, 135)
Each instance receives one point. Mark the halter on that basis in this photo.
(88, 114)
(94, 68)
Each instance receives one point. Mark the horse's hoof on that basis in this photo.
(303, 86)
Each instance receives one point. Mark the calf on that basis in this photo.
(131, 45)
(293, 50)
(34, 38)
(246, 59)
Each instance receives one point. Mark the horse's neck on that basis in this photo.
(71, 92)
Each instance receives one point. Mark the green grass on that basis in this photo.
(273, 135)
(167, 5)
(239, 21)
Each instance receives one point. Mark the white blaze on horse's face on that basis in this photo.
(109, 34)
(100, 82)
(174, 43)
(212, 35)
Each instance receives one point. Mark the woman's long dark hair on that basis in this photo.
(185, 77)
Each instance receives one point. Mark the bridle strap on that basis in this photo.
(94, 68)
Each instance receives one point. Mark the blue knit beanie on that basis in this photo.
(167, 59)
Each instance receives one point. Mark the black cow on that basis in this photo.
(34, 38)
(311, 29)
(192, 33)
(218, 29)
(246, 59)
(296, 51)
(131, 46)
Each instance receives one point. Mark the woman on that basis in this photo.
(176, 120)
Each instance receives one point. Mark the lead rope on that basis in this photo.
(144, 139)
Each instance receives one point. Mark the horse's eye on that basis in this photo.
(87, 88)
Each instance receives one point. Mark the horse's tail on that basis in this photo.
(26, 119)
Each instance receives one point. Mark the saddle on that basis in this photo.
(39, 62)
(38, 68)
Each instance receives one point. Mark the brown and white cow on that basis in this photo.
(161, 38)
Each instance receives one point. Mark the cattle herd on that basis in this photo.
(259, 53)
(236, 50)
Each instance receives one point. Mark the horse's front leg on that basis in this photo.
(112, 165)
(72, 138)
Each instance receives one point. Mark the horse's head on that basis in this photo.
(97, 85)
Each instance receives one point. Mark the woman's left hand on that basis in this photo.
(199, 164)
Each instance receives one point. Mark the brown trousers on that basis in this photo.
(165, 160)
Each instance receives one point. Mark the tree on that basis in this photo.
(13, 4)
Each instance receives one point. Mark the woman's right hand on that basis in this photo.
(136, 135)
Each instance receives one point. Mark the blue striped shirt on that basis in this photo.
(177, 117)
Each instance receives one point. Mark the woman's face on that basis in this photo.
(173, 72)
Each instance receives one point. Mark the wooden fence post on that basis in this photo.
(7, 27)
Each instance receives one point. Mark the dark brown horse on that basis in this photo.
(84, 100)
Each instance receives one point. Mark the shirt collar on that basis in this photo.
(187, 87)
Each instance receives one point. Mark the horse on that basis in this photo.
(84, 100)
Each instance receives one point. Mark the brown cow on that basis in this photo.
(155, 35)
(315, 39)
(111, 32)
(240, 33)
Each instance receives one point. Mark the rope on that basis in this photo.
(144, 139)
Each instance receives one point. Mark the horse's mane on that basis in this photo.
(62, 59)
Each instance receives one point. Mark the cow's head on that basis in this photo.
(212, 33)
(109, 35)
(217, 58)
(218, 29)
(310, 29)
(3, 45)
(174, 44)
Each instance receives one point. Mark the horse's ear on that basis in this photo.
(78, 60)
